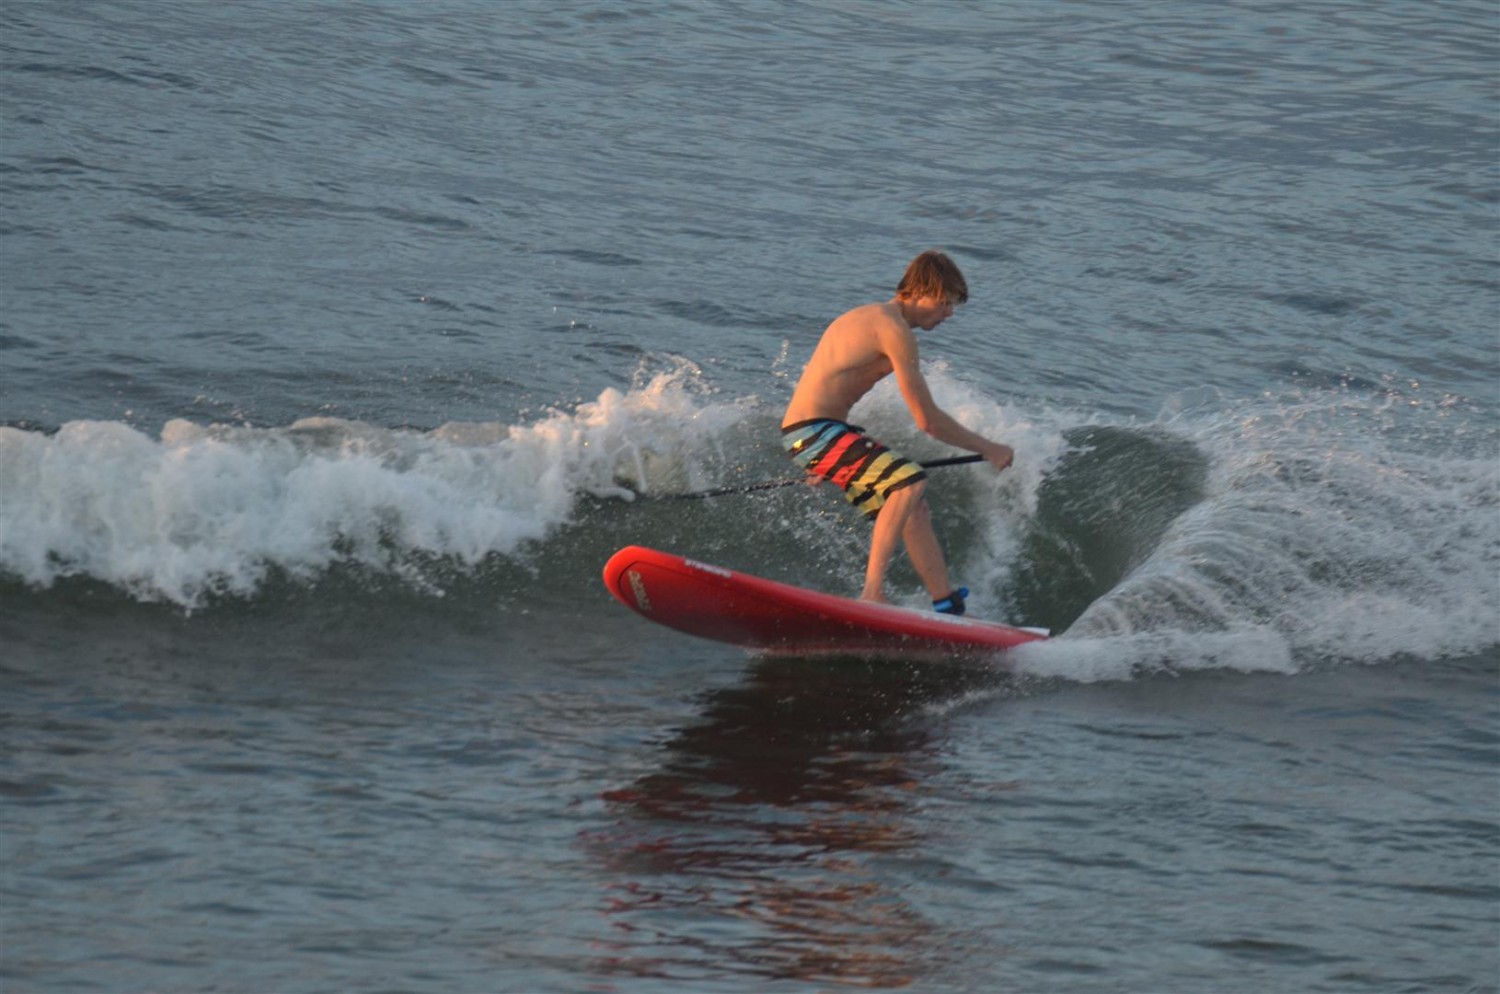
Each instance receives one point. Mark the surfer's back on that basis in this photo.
(848, 361)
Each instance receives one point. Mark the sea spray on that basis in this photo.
(1333, 526)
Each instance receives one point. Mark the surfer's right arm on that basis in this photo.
(900, 346)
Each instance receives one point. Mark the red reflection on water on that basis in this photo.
(771, 841)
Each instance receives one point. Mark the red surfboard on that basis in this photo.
(717, 603)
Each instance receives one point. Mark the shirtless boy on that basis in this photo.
(857, 351)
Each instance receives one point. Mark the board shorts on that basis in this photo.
(864, 469)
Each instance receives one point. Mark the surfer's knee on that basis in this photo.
(910, 499)
(919, 506)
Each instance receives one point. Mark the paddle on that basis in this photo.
(774, 484)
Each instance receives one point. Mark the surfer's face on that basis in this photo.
(929, 312)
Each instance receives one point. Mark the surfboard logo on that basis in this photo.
(706, 568)
(638, 589)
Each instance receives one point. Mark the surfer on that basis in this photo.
(858, 350)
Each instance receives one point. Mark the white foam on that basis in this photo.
(210, 510)
(1121, 657)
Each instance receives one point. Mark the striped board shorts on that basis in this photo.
(867, 471)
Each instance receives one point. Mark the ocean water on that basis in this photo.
(340, 344)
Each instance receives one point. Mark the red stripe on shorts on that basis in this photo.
(843, 476)
(832, 456)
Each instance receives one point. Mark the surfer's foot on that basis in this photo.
(876, 598)
(953, 603)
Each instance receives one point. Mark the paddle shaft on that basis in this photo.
(774, 484)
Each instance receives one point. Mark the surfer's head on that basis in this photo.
(930, 289)
(933, 274)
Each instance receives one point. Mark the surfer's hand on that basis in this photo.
(1000, 456)
(813, 479)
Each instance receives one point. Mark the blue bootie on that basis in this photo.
(953, 603)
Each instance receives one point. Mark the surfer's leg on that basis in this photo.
(925, 552)
(890, 525)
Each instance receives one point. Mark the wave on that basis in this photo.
(1246, 535)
